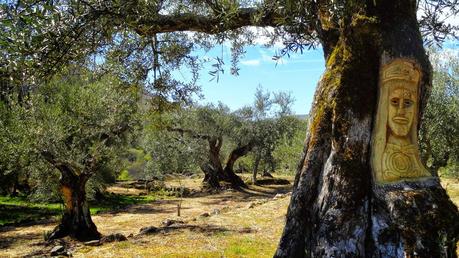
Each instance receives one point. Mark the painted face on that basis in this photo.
(401, 111)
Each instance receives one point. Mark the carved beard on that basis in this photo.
(400, 129)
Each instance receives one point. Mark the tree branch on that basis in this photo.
(65, 167)
(151, 25)
(192, 133)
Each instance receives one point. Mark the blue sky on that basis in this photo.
(298, 75)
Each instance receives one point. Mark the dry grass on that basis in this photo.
(232, 229)
(452, 187)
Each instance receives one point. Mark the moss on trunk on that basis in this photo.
(336, 210)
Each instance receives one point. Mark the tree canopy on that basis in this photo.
(37, 38)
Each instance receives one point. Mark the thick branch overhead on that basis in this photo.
(200, 23)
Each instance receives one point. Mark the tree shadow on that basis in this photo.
(20, 215)
(10, 240)
(248, 194)
(207, 229)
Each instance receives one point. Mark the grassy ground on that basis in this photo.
(239, 224)
(236, 224)
(18, 210)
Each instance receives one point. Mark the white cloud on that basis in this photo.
(251, 62)
(267, 56)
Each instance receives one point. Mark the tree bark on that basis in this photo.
(76, 219)
(213, 168)
(228, 172)
(336, 208)
(211, 177)
(255, 169)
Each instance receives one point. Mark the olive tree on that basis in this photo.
(439, 131)
(337, 208)
(80, 123)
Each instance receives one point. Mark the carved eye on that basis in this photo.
(407, 103)
(394, 102)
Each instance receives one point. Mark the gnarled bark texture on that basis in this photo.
(336, 209)
(213, 170)
(76, 219)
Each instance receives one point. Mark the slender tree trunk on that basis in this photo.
(255, 169)
(14, 191)
(76, 220)
(336, 208)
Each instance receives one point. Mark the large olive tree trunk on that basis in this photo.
(76, 218)
(336, 208)
(228, 172)
(213, 168)
(214, 172)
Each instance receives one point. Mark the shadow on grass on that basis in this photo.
(7, 242)
(23, 214)
(19, 211)
(207, 229)
(114, 203)
(247, 194)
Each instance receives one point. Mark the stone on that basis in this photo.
(205, 214)
(117, 237)
(216, 212)
(278, 196)
(93, 243)
(149, 230)
(57, 250)
(170, 222)
(395, 150)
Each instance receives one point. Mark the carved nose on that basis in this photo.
(401, 109)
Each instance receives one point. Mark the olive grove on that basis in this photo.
(337, 208)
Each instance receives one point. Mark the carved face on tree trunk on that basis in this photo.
(401, 111)
(395, 154)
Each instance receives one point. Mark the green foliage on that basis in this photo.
(170, 153)
(124, 176)
(84, 122)
(178, 140)
(438, 138)
(289, 149)
(80, 119)
(273, 127)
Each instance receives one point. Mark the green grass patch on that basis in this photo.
(124, 176)
(248, 247)
(16, 210)
(116, 201)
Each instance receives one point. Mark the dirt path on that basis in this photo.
(229, 224)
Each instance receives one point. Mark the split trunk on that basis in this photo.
(213, 170)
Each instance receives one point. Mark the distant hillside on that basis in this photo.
(302, 117)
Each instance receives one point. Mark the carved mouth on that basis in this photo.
(400, 120)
